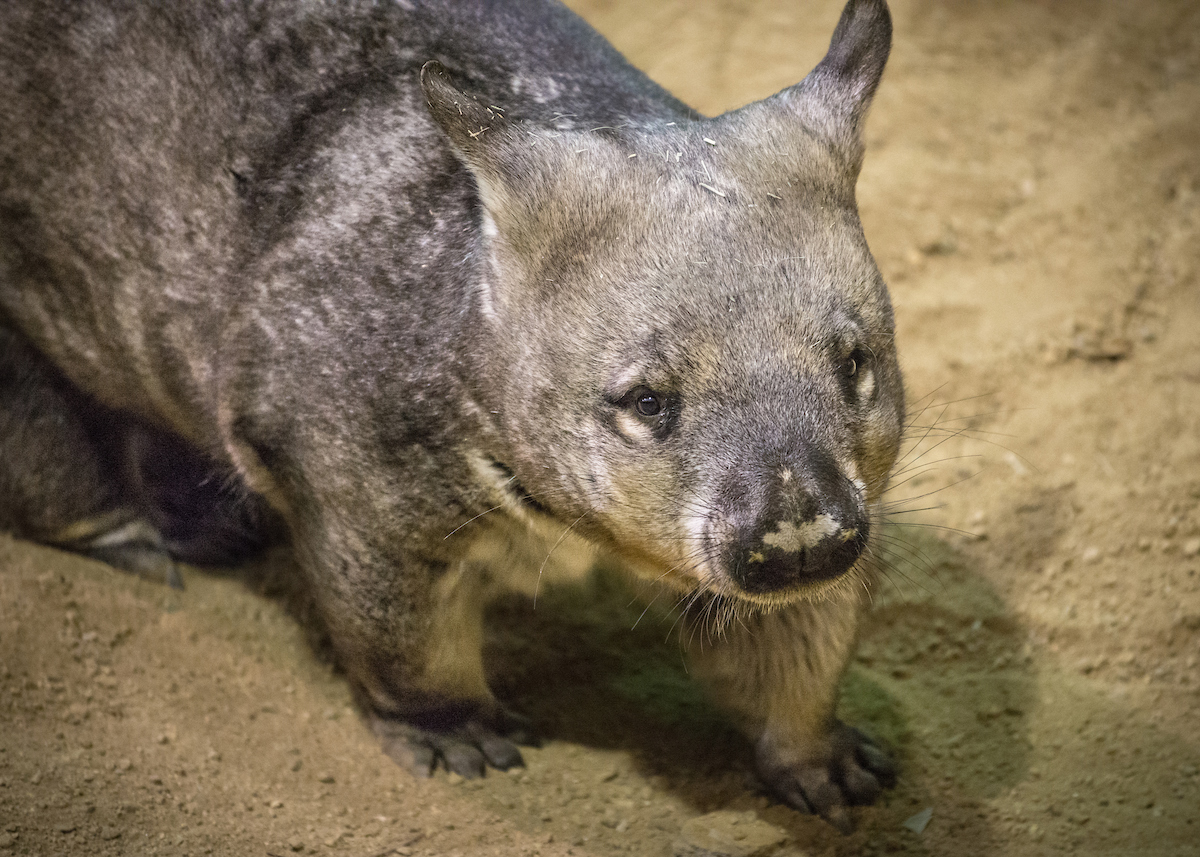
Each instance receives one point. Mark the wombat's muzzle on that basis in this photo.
(808, 526)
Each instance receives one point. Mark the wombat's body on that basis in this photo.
(454, 341)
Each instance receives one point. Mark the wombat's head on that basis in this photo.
(693, 348)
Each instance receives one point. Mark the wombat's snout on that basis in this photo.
(808, 525)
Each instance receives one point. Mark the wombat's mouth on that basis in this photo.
(809, 590)
(514, 489)
(765, 602)
(765, 567)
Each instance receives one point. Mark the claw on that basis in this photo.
(876, 761)
(461, 758)
(850, 771)
(466, 749)
(501, 753)
(417, 758)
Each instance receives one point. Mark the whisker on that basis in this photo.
(472, 520)
(537, 586)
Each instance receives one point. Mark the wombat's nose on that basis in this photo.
(790, 519)
(792, 553)
(808, 526)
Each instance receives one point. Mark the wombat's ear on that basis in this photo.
(834, 98)
(480, 134)
(471, 125)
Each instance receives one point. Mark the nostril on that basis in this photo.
(768, 570)
(841, 550)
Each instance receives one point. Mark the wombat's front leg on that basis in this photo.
(777, 674)
(408, 632)
(59, 469)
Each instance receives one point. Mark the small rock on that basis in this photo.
(944, 245)
(1091, 555)
(727, 834)
(7, 840)
(1191, 547)
(65, 827)
(917, 823)
(325, 778)
(108, 834)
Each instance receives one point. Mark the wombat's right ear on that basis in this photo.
(471, 126)
(834, 97)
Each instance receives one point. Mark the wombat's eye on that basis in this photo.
(649, 406)
(648, 403)
(642, 408)
(851, 365)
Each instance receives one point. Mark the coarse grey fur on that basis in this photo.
(459, 298)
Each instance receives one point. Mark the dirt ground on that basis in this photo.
(1032, 192)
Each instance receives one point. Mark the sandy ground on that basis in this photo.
(1032, 192)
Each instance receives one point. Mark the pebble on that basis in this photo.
(108, 834)
(1191, 547)
(7, 840)
(727, 834)
(917, 823)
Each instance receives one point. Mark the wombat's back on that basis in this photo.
(151, 153)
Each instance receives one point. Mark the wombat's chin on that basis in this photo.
(808, 591)
(702, 582)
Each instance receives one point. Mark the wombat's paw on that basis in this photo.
(123, 541)
(466, 748)
(851, 771)
(146, 561)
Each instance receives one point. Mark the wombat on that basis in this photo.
(459, 299)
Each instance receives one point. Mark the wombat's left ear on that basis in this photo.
(479, 132)
(473, 127)
(834, 98)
